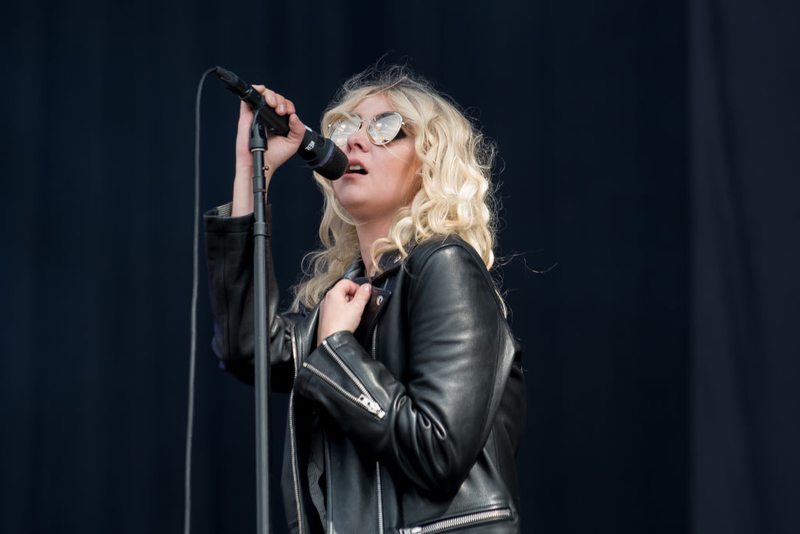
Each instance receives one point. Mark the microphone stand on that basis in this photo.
(258, 147)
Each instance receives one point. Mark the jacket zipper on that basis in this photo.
(374, 341)
(362, 400)
(365, 400)
(292, 441)
(380, 496)
(378, 488)
(459, 521)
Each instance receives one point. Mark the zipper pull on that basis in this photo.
(371, 406)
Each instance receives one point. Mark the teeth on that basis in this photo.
(356, 168)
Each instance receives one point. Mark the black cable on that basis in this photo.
(187, 506)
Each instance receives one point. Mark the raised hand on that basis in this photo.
(280, 148)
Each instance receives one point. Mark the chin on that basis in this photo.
(352, 200)
(357, 213)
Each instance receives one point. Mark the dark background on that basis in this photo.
(649, 150)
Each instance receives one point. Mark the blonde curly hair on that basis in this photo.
(455, 193)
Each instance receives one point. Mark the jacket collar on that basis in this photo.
(389, 262)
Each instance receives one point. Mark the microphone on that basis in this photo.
(318, 151)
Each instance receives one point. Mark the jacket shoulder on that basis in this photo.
(447, 251)
(449, 255)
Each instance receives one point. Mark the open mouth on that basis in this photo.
(356, 169)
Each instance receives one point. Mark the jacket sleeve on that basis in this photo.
(229, 252)
(433, 425)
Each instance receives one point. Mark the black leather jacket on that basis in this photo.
(418, 415)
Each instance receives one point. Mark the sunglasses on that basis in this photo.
(382, 128)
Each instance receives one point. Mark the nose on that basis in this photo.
(358, 139)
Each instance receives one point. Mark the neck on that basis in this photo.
(368, 233)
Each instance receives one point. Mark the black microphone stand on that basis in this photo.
(258, 147)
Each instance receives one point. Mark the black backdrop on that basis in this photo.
(647, 150)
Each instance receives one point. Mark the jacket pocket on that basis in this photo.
(363, 400)
(460, 521)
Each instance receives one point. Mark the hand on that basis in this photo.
(280, 148)
(342, 307)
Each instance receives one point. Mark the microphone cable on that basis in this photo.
(187, 503)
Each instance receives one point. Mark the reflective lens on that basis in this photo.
(381, 129)
(339, 131)
(384, 127)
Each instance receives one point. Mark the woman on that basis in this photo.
(407, 400)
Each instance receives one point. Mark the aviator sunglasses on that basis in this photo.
(382, 128)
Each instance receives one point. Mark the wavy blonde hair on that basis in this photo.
(455, 194)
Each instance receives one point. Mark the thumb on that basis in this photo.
(362, 295)
(296, 129)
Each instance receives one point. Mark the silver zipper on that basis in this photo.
(378, 464)
(374, 341)
(460, 521)
(362, 400)
(380, 496)
(365, 399)
(345, 368)
(378, 487)
(292, 440)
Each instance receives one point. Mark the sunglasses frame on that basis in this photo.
(371, 124)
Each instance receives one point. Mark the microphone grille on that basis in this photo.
(334, 168)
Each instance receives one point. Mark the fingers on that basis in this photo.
(351, 293)
(342, 307)
(281, 104)
(281, 148)
(284, 106)
(345, 286)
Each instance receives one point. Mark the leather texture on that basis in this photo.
(421, 410)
